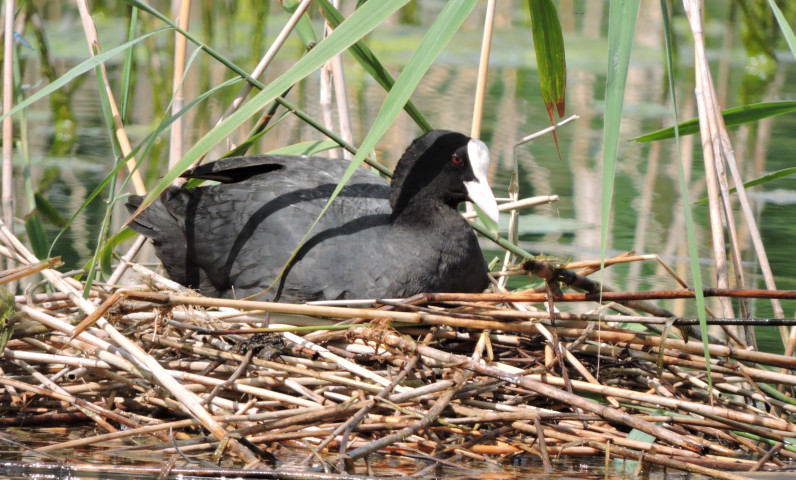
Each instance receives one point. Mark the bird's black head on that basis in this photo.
(442, 167)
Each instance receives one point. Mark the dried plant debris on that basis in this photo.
(211, 385)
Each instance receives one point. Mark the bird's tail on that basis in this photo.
(154, 222)
(165, 226)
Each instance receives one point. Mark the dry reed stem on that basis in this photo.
(265, 363)
(483, 67)
(607, 296)
(728, 156)
(13, 274)
(98, 470)
(694, 362)
(125, 261)
(121, 134)
(178, 99)
(710, 149)
(431, 415)
(689, 406)
(8, 125)
(277, 44)
(519, 204)
(626, 337)
(355, 420)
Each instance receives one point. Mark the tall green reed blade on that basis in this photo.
(127, 69)
(732, 116)
(622, 16)
(438, 35)
(548, 42)
(372, 65)
(785, 172)
(305, 148)
(117, 151)
(693, 251)
(359, 24)
(78, 70)
(790, 38)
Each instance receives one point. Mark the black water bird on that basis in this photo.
(375, 240)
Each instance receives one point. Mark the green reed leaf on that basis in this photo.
(732, 116)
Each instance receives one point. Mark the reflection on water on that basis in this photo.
(101, 465)
(647, 209)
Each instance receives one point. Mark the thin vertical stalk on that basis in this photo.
(723, 151)
(729, 216)
(33, 223)
(622, 19)
(746, 207)
(325, 94)
(8, 98)
(341, 97)
(178, 100)
(716, 225)
(341, 100)
(480, 87)
(267, 58)
(683, 158)
(121, 135)
(483, 66)
(710, 150)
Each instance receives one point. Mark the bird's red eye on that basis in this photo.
(456, 159)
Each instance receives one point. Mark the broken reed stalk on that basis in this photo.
(610, 296)
(13, 274)
(625, 338)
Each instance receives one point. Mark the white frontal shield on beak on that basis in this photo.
(478, 190)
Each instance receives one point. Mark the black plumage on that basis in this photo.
(375, 240)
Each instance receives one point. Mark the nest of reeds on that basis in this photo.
(195, 384)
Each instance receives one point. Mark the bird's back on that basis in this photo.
(241, 234)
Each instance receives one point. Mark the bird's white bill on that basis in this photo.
(478, 190)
